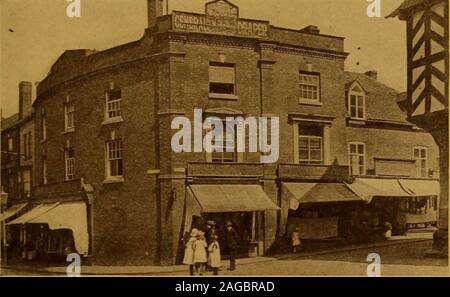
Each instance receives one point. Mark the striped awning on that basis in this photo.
(33, 213)
(12, 211)
(368, 188)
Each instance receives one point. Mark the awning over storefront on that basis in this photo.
(33, 213)
(368, 188)
(12, 211)
(71, 216)
(317, 193)
(421, 187)
(232, 198)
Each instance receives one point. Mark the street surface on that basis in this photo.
(403, 259)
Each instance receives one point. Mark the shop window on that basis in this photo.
(310, 144)
(309, 85)
(222, 79)
(421, 157)
(357, 158)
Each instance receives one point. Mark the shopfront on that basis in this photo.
(402, 203)
(50, 230)
(243, 205)
(318, 210)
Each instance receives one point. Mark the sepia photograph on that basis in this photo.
(224, 138)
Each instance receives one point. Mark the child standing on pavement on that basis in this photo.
(200, 255)
(296, 242)
(189, 251)
(214, 259)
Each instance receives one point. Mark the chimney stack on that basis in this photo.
(155, 9)
(372, 74)
(25, 94)
(311, 29)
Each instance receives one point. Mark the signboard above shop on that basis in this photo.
(221, 17)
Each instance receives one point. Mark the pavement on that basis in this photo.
(308, 258)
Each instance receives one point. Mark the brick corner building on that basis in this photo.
(103, 136)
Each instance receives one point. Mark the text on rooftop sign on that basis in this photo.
(219, 25)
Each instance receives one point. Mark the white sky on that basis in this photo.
(42, 31)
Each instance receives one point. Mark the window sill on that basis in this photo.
(70, 130)
(112, 121)
(223, 96)
(114, 180)
(356, 121)
(310, 102)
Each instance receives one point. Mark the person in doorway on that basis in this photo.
(200, 255)
(296, 242)
(214, 258)
(189, 251)
(232, 241)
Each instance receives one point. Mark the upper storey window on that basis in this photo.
(421, 158)
(357, 102)
(309, 86)
(10, 143)
(310, 140)
(69, 115)
(43, 125)
(113, 110)
(222, 80)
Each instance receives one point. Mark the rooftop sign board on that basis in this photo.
(221, 17)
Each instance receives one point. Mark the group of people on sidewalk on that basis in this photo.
(202, 249)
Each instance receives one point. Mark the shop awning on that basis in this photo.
(317, 193)
(12, 211)
(421, 187)
(368, 188)
(71, 216)
(33, 213)
(232, 198)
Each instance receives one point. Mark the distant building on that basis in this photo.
(103, 139)
(18, 148)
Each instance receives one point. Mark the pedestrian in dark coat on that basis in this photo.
(232, 242)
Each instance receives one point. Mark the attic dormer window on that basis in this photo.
(357, 102)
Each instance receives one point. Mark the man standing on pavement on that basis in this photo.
(232, 241)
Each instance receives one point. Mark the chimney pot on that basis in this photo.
(372, 74)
